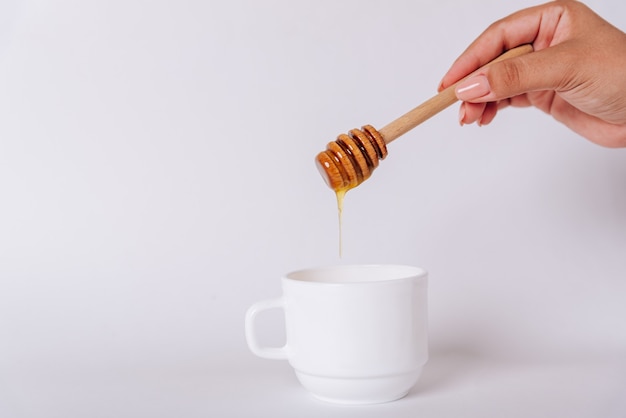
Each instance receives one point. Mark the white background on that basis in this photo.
(157, 178)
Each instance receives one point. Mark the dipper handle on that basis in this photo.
(350, 159)
(438, 102)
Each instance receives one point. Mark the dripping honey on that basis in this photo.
(349, 161)
(340, 195)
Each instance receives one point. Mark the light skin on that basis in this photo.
(577, 72)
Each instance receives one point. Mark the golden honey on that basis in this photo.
(349, 161)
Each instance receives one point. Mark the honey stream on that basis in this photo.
(340, 196)
(349, 161)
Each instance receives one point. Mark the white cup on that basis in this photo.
(355, 334)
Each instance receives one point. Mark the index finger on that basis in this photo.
(536, 25)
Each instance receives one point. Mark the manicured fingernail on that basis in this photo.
(473, 88)
(461, 114)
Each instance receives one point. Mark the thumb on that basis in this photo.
(501, 80)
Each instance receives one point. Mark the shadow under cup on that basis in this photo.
(355, 334)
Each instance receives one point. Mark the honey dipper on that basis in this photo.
(350, 160)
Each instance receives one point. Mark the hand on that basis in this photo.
(577, 73)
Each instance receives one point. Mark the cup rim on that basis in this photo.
(398, 272)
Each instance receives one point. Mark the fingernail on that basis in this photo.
(473, 88)
(461, 114)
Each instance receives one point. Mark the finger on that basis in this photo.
(484, 115)
(517, 101)
(546, 70)
(535, 25)
(489, 113)
(471, 112)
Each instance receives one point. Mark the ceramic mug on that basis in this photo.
(354, 334)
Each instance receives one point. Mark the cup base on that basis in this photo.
(361, 390)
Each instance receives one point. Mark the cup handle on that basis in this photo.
(264, 352)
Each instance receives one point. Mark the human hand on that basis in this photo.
(577, 73)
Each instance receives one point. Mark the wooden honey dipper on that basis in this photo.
(350, 160)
